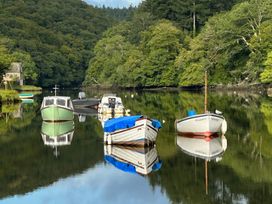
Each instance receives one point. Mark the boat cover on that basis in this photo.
(157, 166)
(125, 122)
(120, 165)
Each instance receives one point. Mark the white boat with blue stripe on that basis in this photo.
(131, 130)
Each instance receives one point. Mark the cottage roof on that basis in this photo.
(15, 67)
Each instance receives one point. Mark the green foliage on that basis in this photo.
(9, 95)
(5, 56)
(182, 12)
(28, 88)
(58, 35)
(148, 61)
(231, 46)
(266, 75)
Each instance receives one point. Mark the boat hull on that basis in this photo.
(106, 110)
(90, 103)
(142, 134)
(56, 113)
(203, 124)
(25, 96)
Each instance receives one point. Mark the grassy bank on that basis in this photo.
(9, 95)
(28, 88)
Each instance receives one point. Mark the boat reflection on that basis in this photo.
(207, 148)
(57, 134)
(138, 160)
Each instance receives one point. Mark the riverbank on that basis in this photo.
(28, 88)
(9, 96)
(257, 87)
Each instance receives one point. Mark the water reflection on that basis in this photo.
(57, 134)
(133, 159)
(207, 148)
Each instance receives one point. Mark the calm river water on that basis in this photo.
(32, 172)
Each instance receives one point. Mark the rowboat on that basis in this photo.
(23, 96)
(111, 104)
(206, 124)
(138, 160)
(83, 102)
(131, 130)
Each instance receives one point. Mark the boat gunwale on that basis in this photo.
(199, 116)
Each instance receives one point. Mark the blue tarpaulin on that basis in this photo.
(125, 122)
(120, 165)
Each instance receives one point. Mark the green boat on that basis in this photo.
(57, 108)
(57, 134)
(25, 96)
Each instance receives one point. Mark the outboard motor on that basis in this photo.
(81, 95)
(112, 103)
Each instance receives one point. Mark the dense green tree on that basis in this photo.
(266, 75)
(191, 15)
(161, 44)
(121, 61)
(5, 56)
(110, 53)
(228, 44)
(58, 35)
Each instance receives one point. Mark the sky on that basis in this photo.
(114, 3)
(101, 185)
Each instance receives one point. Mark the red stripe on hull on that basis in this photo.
(198, 134)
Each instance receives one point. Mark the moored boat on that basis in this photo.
(57, 108)
(132, 159)
(23, 96)
(131, 130)
(83, 102)
(206, 124)
(111, 104)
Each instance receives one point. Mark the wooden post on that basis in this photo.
(206, 91)
(206, 176)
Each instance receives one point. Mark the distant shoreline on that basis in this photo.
(237, 87)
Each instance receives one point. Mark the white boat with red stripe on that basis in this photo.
(206, 124)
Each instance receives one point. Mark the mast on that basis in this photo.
(206, 91)
(55, 89)
(206, 176)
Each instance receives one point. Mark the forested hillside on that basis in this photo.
(171, 43)
(57, 37)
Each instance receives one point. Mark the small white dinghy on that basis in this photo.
(138, 160)
(131, 130)
(206, 124)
